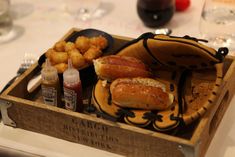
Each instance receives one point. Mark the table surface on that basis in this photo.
(40, 23)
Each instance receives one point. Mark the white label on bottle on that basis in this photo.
(70, 97)
(49, 95)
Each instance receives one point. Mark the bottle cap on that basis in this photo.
(49, 73)
(71, 75)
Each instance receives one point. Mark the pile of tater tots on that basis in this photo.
(81, 52)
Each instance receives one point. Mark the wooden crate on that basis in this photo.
(19, 109)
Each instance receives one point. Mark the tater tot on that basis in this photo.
(92, 53)
(72, 51)
(61, 67)
(49, 52)
(82, 44)
(69, 46)
(58, 57)
(78, 60)
(59, 46)
(99, 41)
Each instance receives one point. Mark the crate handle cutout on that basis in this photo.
(221, 109)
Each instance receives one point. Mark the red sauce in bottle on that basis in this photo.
(73, 96)
(72, 89)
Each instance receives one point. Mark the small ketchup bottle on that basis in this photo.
(72, 89)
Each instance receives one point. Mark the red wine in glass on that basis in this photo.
(155, 13)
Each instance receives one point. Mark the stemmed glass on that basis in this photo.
(6, 22)
(8, 13)
(217, 23)
(84, 9)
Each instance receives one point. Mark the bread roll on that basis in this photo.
(140, 93)
(113, 67)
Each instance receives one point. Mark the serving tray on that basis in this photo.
(23, 109)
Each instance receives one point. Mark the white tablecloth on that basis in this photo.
(41, 23)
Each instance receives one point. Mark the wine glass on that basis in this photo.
(8, 13)
(84, 9)
(155, 13)
(218, 22)
(6, 22)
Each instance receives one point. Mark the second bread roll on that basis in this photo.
(140, 93)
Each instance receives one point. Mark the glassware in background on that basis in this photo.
(155, 13)
(21, 9)
(6, 22)
(84, 9)
(217, 23)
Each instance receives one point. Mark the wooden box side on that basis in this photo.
(208, 125)
(91, 131)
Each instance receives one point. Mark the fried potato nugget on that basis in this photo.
(49, 52)
(78, 60)
(60, 46)
(99, 41)
(58, 57)
(61, 67)
(92, 53)
(82, 44)
(81, 52)
(72, 51)
(69, 46)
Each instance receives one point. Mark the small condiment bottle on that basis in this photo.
(72, 89)
(50, 85)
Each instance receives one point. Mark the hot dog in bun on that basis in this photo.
(140, 93)
(114, 66)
